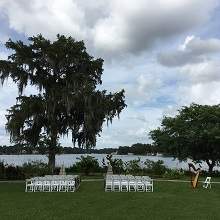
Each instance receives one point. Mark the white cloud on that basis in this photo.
(4, 138)
(193, 50)
(3, 51)
(147, 83)
(3, 55)
(3, 118)
(3, 38)
(205, 72)
(205, 94)
(142, 90)
(201, 84)
(135, 26)
(132, 127)
(110, 27)
(197, 62)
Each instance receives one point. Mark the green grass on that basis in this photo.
(93, 176)
(169, 201)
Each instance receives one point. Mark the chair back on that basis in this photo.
(208, 179)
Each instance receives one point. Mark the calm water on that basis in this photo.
(69, 159)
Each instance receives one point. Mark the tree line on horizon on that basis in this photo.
(135, 149)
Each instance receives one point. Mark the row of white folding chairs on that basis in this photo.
(129, 183)
(128, 178)
(56, 177)
(48, 184)
(122, 183)
(65, 177)
(113, 176)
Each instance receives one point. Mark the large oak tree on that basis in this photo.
(193, 133)
(68, 100)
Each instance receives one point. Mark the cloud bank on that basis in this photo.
(193, 50)
(110, 27)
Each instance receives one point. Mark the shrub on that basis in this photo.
(104, 166)
(173, 174)
(2, 170)
(72, 169)
(86, 165)
(13, 173)
(35, 168)
(157, 168)
(133, 167)
(215, 173)
(10, 172)
(27, 170)
(117, 166)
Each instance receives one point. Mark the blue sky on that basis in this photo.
(164, 53)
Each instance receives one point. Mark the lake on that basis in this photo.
(68, 159)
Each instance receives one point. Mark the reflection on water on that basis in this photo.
(69, 159)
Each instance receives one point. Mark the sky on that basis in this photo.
(164, 53)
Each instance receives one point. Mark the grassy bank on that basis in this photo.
(169, 201)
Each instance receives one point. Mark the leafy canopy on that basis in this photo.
(68, 101)
(193, 133)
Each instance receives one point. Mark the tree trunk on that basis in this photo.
(211, 168)
(52, 154)
(211, 165)
(51, 159)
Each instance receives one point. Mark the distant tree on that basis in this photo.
(137, 149)
(141, 149)
(133, 166)
(43, 145)
(87, 165)
(123, 150)
(155, 167)
(68, 101)
(193, 133)
(116, 164)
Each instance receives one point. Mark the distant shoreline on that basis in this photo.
(69, 159)
(156, 155)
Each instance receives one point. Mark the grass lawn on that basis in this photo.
(169, 201)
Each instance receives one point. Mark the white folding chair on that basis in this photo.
(46, 186)
(148, 182)
(70, 186)
(38, 185)
(207, 183)
(124, 185)
(116, 185)
(132, 185)
(55, 185)
(29, 185)
(140, 186)
(108, 185)
(62, 185)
